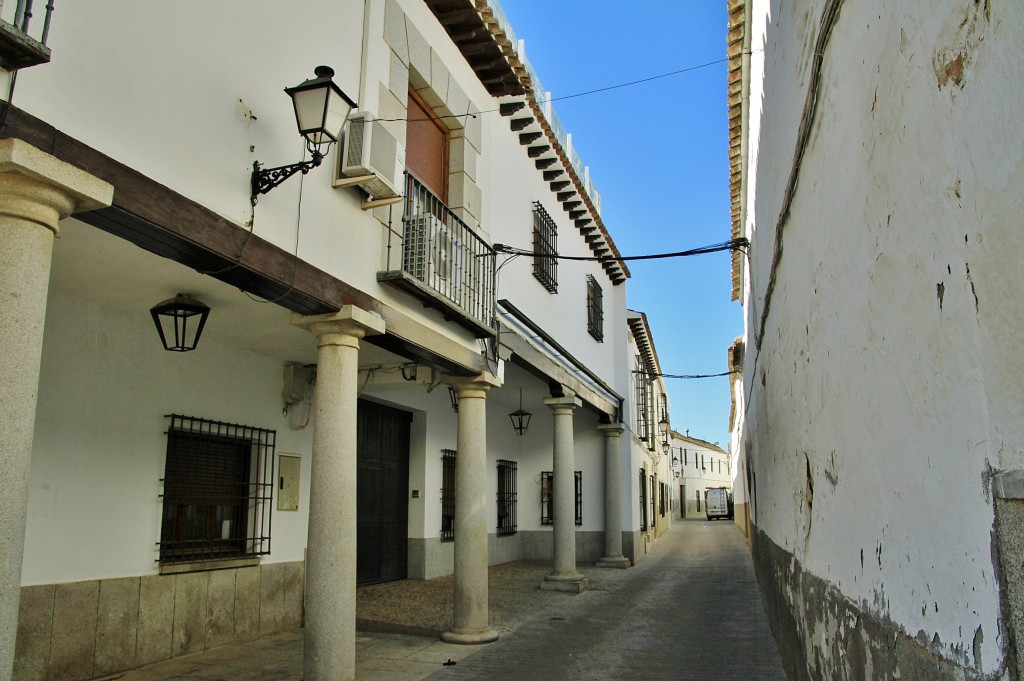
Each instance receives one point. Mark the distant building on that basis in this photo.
(701, 465)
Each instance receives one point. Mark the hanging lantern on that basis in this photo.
(180, 321)
(520, 417)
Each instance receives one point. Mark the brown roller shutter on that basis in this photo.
(426, 147)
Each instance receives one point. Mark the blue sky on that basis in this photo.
(658, 154)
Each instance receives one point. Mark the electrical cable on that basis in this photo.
(573, 96)
(733, 244)
(10, 99)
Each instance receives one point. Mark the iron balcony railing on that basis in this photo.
(443, 261)
(22, 41)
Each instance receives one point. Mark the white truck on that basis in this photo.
(718, 503)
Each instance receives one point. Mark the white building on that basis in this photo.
(159, 503)
(701, 465)
(878, 172)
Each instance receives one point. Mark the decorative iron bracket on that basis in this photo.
(265, 179)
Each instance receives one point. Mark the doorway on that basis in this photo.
(382, 490)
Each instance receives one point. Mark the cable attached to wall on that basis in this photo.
(829, 16)
(734, 244)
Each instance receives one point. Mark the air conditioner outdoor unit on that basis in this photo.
(371, 158)
(432, 255)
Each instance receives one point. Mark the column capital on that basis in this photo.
(350, 321)
(472, 386)
(612, 429)
(568, 401)
(39, 188)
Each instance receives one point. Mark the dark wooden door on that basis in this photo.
(382, 490)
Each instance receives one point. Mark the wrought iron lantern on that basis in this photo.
(180, 321)
(520, 417)
(321, 109)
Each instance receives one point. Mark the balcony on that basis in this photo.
(442, 262)
(19, 48)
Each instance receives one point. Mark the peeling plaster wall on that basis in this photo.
(887, 387)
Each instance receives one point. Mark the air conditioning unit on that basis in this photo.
(431, 253)
(371, 158)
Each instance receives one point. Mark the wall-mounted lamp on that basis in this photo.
(321, 109)
(454, 397)
(180, 319)
(520, 417)
(665, 447)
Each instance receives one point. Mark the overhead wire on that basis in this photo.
(733, 244)
(585, 93)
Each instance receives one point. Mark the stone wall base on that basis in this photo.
(823, 635)
(84, 630)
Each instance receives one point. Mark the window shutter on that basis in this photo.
(426, 147)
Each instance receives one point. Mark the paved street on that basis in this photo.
(691, 610)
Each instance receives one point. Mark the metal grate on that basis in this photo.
(595, 309)
(448, 458)
(547, 507)
(545, 245)
(445, 255)
(506, 498)
(218, 485)
(643, 500)
(661, 499)
(644, 392)
(654, 496)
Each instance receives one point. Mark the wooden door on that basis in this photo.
(382, 491)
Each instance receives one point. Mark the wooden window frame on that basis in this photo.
(445, 147)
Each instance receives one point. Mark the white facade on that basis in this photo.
(174, 120)
(701, 465)
(881, 379)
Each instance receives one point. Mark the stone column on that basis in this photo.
(330, 640)
(612, 498)
(564, 576)
(471, 618)
(36, 192)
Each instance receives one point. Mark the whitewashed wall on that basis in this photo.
(889, 378)
(100, 443)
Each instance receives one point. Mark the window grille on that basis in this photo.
(643, 500)
(545, 243)
(654, 499)
(547, 508)
(448, 458)
(595, 309)
(506, 498)
(661, 499)
(218, 485)
(644, 393)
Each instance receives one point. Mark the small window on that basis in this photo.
(547, 508)
(595, 309)
(448, 458)
(426, 147)
(643, 500)
(545, 246)
(654, 502)
(506, 498)
(661, 499)
(644, 396)
(218, 484)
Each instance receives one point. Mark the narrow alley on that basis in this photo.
(691, 610)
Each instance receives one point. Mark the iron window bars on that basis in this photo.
(506, 498)
(448, 458)
(218, 485)
(545, 245)
(643, 500)
(595, 309)
(662, 487)
(644, 388)
(654, 510)
(547, 508)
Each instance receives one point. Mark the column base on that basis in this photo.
(573, 583)
(470, 637)
(614, 562)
